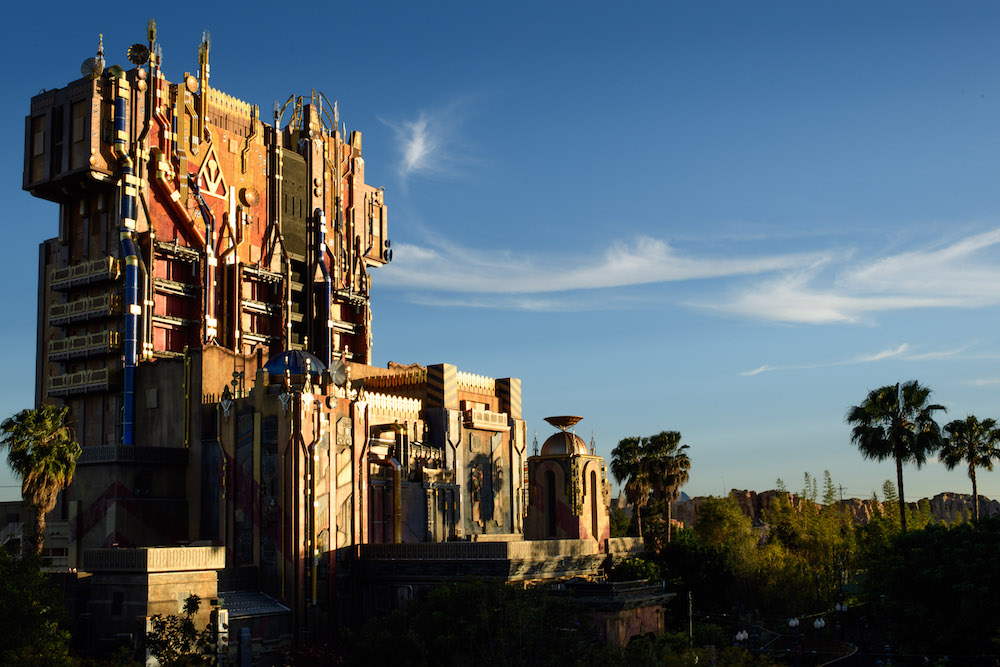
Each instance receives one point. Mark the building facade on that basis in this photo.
(205, 312)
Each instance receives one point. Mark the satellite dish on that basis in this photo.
(91, 68)
(338, 372)
(564, 422)
(138, 54)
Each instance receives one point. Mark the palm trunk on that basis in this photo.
(669, 519)
(638, 518)
(39, 532)
(902, 502)
(975, 495)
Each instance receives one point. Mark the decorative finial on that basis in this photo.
(100, 49)
(535, 443)
(151, 31)
(593, 445)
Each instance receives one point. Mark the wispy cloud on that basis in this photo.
(429, 143)
(961, 273)
(984, 382)
(902, 351)
(828, 286)
(647, 260)
(884, 354)
(758, 370)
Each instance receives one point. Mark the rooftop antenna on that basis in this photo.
(94, 67)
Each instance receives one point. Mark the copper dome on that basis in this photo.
(563, 443)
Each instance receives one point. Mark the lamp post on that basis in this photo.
(841, 609)
(793, 625)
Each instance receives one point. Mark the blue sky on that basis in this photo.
(729, 219)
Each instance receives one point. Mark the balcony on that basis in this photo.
(87, 345)
(81, 382)
(84, 273)
(88, 308)
(484, 420)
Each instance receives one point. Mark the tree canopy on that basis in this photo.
(897, 422)
(42, 450)
(973, 443)
(653, 467)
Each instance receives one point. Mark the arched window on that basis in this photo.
(593, 505)
(550, 503)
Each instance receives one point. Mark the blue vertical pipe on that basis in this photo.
(327, 286)
(132, 260)
(127, 216)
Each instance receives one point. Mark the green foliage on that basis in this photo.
(973, 443)
(477, 623)
(620, 522)
(175, 640)
(42, 451)
(939, 586)
(897, 422)
(636, 568)
(30, 615)
(653, 469)
(722, 523)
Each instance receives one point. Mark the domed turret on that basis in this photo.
(564, 442)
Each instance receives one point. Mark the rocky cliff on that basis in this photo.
(947, 507)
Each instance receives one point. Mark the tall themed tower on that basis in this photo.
(194, 242)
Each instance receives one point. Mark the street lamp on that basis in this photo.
(819, 623)
(793, 623)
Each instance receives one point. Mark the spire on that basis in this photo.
(534, 444)
(100, 50)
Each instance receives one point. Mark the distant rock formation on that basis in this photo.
(947, 507)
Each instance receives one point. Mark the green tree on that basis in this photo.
(30, 615)
(669, 465)
(935, 589)
(657, 465)
(175, 641)
(627, 466)
(477, 623)
(973, 443)
(42, 450)
(896, 422)
(620, 521)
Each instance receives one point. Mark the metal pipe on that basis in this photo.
(127, 215)
(211, 323)
(195, 235)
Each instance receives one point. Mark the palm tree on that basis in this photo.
(41, 449)
(972, 442)
(896, 422)
(667, 463)
(627, 466)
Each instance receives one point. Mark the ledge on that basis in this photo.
(154, 559)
